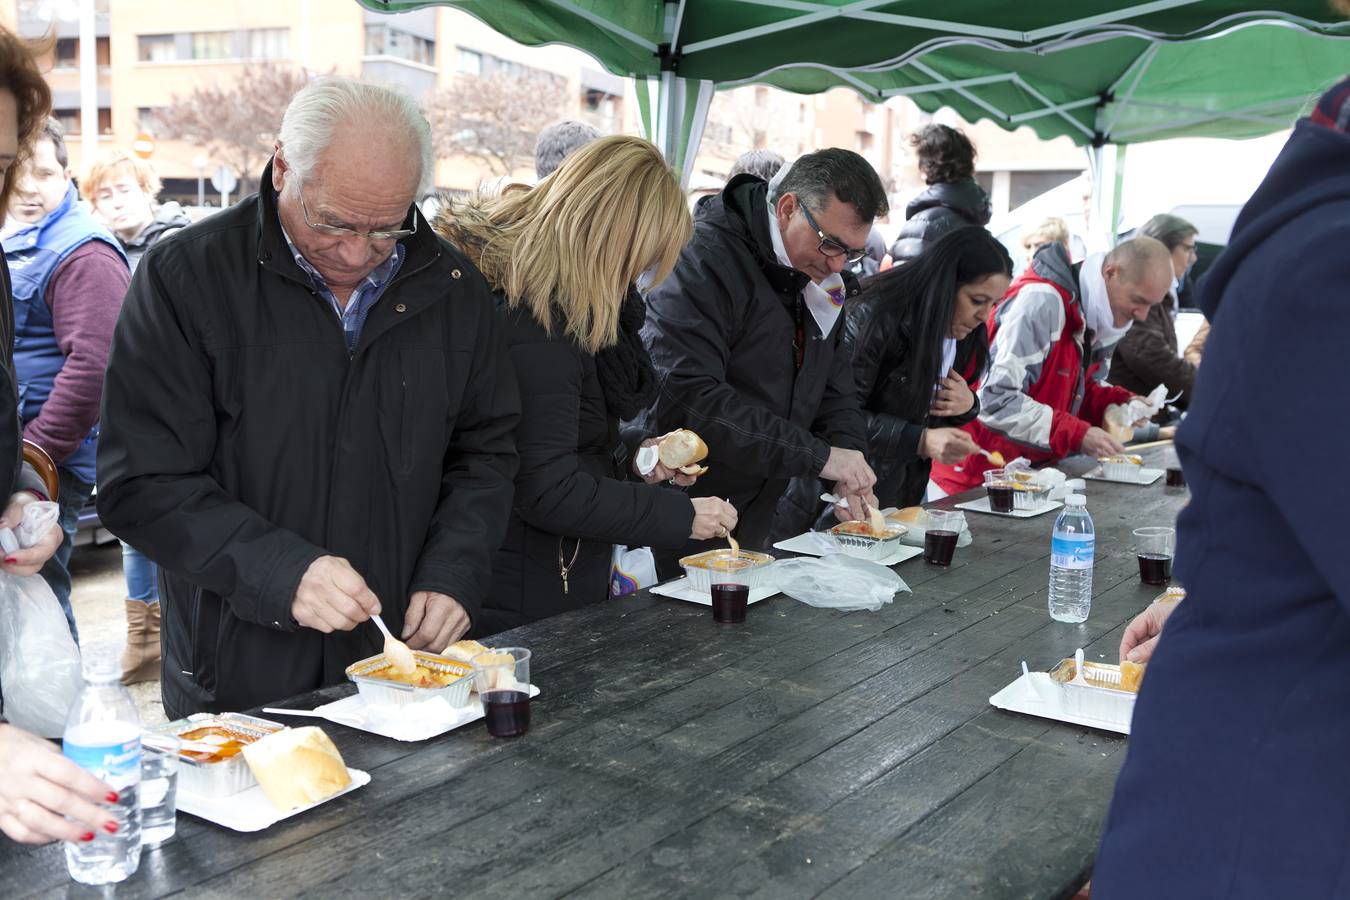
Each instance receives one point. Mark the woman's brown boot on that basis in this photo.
(140, 661)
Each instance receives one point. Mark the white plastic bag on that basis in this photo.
(1119, 418)
(838, 582)
(631, 569)
(39, 662)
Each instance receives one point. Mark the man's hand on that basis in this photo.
(849, 471)
(1142, 636)
(662, 472)
(858, 504)
(39, 787)
(1098, 443)
(28, 560)
(954, 396)
(947, 445)
(333, 597)
(434, 622)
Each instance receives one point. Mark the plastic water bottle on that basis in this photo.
(103, 736)
(1071, 552)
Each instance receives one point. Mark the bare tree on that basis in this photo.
(495, 118)
(235, 121)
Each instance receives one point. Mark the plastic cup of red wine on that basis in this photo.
(939, 540)
(1155, 547)
(730, 600)
(504, 689)
(1000, 490)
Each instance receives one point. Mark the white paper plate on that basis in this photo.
(679, 589)
(809, 544)
(1146, 477)
(1021, 697)
(250, 810)
(415, 722)
(982, 506)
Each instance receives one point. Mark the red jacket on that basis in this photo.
(1042, 392)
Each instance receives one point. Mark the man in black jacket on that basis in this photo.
(309, 415)
(745, 338)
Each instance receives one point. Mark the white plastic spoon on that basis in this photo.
(397, 652)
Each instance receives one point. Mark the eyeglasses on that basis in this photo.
(828, 245)
(339, 231)
(1189, 248)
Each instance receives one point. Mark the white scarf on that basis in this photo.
(1097, 305)
(824, 300)
(948, 357)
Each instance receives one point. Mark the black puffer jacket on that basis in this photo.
(242, 440)
(722, 330)
(944, 207)
(573, 496)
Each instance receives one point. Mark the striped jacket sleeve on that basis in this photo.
(1030, 325)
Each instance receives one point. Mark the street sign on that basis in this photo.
(143, 146)
(223, 180)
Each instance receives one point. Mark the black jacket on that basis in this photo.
(1148, 356)
(876, 336)
(944, 207)
(573, 496)
(242, 441)
(722, 330)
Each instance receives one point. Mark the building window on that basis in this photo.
(866, 141)
(268, 43)
(147, 119)
(382, 40)
(470, 63)
(70, 120)
(156, 48)
(761, 97)
(212, 45)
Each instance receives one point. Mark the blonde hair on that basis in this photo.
(111, 164)
(1053, 230)
(572, 245)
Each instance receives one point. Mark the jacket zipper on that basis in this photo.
(565, 568)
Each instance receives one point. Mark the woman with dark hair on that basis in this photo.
(918, 339)
(953, 198)
(43, 796)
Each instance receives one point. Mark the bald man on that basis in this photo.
(1051, 339)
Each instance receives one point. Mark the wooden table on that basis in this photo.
(806, 753)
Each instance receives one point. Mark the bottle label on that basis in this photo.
(1072, 551)
(117, 764)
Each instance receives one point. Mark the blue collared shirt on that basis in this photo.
(353, 316)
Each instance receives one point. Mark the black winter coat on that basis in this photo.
(877, 336)
(944, 207)
(722, 330)
(242, 441)
(573, 496)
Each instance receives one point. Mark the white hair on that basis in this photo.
(325, 104)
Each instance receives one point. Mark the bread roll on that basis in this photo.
(464, 651)
(297, 766)
(681, 448)
(910, 515)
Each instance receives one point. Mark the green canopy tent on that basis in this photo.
(1100, 72)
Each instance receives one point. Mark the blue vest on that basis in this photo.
(33, 253)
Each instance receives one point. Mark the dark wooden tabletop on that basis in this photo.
(806, 753)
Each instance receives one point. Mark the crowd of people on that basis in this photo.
(318, 405)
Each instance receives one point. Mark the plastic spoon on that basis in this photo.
(397, 652)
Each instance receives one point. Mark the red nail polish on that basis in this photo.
(87, 836)
(113, 797)
(11, 560)
(110, 827)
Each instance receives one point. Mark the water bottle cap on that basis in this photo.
(1075, 500)
(100, 664)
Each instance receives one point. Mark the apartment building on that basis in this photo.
(150, 51)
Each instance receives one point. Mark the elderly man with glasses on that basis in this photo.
(309, 414)
(745, 335)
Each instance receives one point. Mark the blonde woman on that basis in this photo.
(563, 257)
